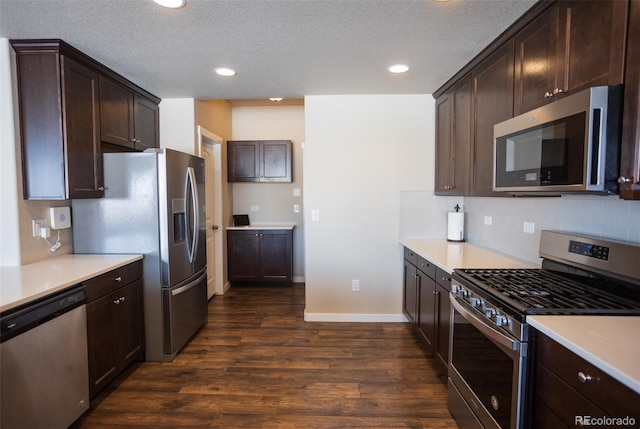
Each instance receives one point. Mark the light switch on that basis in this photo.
(315, 215)
(255, 208)
(296, 208)
(296, 192)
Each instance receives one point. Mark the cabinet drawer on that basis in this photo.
(426, 267)
(411, 256)
(112, 280)
(560, 399)
(443, 278)
(610, 395)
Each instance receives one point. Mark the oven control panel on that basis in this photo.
(590, 250)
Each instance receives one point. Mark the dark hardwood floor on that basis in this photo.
(257, 364)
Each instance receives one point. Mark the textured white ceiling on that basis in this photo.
(283, 48)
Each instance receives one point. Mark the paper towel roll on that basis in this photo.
(455, 226)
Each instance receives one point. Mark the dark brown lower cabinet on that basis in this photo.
(426, 304)
(264, 255)
(569, 390)
(443, 323)
(115, 327)
(410, 292)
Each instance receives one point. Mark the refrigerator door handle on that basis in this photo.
(190, 183)
(183, 289)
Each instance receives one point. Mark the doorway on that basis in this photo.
(210, 148)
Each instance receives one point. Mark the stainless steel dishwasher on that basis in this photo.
(44, 379)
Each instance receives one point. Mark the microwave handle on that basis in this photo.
(485, 329)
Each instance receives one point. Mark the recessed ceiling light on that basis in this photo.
(173, 4)
(398, 68)
(225, 71)
(276, 99)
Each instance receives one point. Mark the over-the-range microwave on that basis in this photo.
(570, 145)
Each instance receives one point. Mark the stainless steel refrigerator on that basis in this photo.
(154, 204)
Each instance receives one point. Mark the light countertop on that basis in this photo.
(449, 255)
(269, 226)
(21, 284)
(608, 342)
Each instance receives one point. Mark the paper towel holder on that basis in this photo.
(455, 226)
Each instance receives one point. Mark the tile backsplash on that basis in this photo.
(423, 215)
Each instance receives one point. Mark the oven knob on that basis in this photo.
(501, 320)
(454, 288)
(490, 312)
(475, 302)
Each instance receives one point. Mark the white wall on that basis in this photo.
(361, 152)
(9, 224)
(275, 200)
(178, 124)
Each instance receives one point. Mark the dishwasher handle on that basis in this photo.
(34, 314)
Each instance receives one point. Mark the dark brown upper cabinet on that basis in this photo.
(127, 119)
(259, 161)
(555, 49)
(630, 155)
(571, 46)
(492, 103)
(60, 92)
(59, 124)
(536, 62)
(453, 142)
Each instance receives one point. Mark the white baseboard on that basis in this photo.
(348, 317)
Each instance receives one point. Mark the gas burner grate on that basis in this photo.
(535, 289)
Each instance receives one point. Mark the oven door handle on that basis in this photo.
(487, 330)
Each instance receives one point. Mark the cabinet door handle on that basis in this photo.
(623, 179)
(101, 188)
(548, 94)
(116, 301)
(557, 91)
(118, 279)
(584, 377)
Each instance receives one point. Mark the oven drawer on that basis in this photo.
(601, 390)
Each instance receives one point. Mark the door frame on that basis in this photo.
(207, 138)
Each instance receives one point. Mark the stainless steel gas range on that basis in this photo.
(491, 345)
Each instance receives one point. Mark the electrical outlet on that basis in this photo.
(355, 285)
(315, 215)
(296, 208)
(255, 208)
(37, 225)
(488, 220)
(529, 227)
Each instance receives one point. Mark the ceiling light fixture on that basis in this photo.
(275, 99)
(173, 4)
(225, 71)
(398, 68)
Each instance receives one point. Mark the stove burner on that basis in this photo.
(532, 290)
